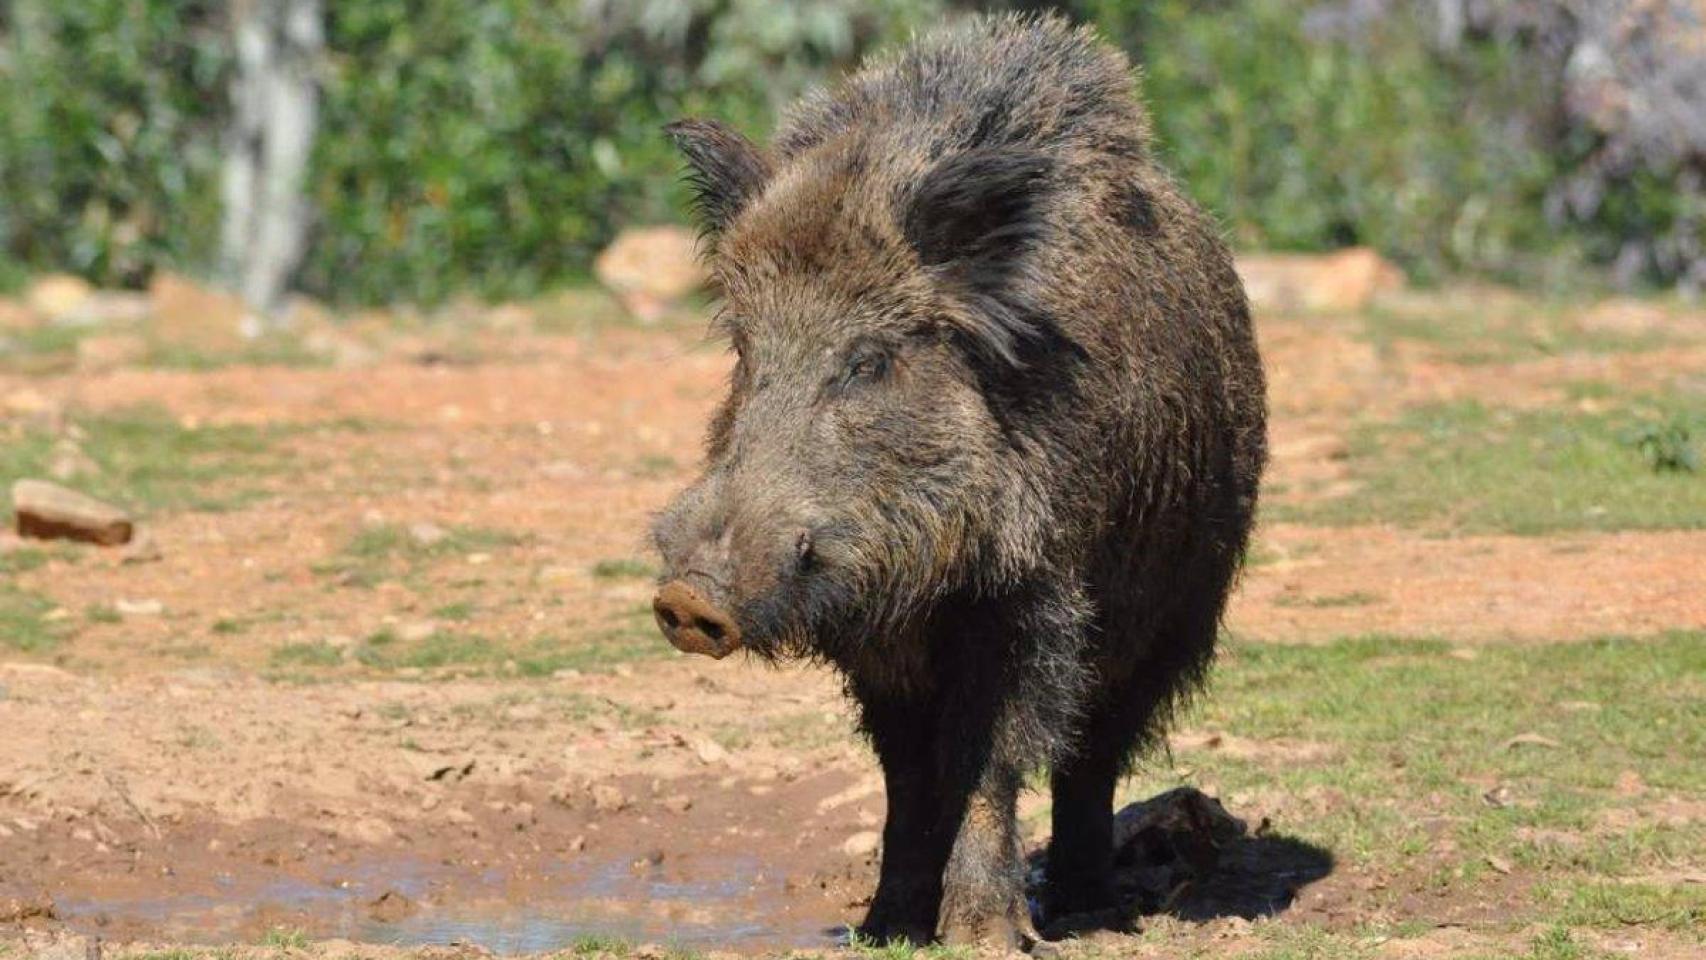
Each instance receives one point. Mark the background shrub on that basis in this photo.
(494, 146)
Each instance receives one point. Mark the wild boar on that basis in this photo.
(991, 445)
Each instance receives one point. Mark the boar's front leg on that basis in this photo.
(950, 859)
(917, 835)
(983, 898)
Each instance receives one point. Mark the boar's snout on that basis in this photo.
(692, 622)
(728, 583)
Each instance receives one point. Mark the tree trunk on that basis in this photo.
(274, 104)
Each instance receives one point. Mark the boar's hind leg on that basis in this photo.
(983, 898)
(1126, 716)
(1080, 875)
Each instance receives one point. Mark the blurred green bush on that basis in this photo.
(494, 146)
(109, 135)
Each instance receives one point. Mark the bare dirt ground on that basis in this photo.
(404, 689)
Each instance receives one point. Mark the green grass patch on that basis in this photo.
(285, 938)
(1416, 736)
(628, 638)
(1355, 598)
(24, 626)
(320, 654)
(102, 613)
(52, 349)
(1469, 467)
(45, 349)
(1507, 330)
(151, 461)
(392, 551)
(273, 350)
(441, 649)
(1616, 905)
(458, 612)
(624, 568)
(22, 560)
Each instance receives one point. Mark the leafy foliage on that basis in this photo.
(492, 147)
(109, 134)
(1669, 447)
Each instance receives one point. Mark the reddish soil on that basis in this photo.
(160, 781)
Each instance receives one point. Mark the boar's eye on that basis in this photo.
(864, 365)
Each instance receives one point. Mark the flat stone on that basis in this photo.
(48, 511)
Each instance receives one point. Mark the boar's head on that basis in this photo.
(869, 455)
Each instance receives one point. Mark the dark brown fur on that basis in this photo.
(991, 446)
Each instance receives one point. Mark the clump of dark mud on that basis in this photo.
(1181, 853)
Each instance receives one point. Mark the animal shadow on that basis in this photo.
(1182, 854)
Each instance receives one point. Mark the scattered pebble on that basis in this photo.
(608, 799)
(142, 548)
(427, 534)
(862, 844)
(708, 751)
(139, 608)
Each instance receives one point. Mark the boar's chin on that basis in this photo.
(805, 622)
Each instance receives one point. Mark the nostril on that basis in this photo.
(692, 622)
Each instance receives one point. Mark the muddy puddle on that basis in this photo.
(743, 903)
(731, 873)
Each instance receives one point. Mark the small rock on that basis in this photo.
(679, 803)
(608, 799)
(562, 470)
(426, 534)
(48, 511)
(417, 631)
(106, 353)
(369, 830)
(1498, 797)
(708, 751)
(862, 844)
(58, 295)
(650, 269)
(1347, 280)
(142, 548)
(140, 608)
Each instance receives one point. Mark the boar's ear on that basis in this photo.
(973, 220)
(725, 169)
